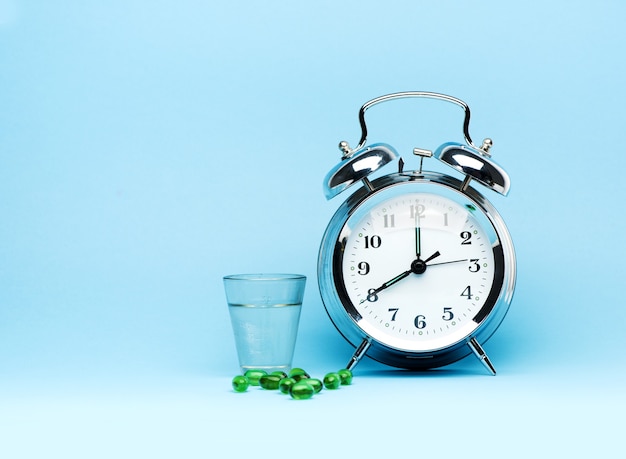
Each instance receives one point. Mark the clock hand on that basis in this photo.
(417, 241)
(448, 262)
(387, 284)
(418, 267)
(432, 257)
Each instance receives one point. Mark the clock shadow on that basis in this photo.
(455, 370)
(431, 373)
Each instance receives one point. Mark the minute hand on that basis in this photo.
(388, 284)
(417, 267)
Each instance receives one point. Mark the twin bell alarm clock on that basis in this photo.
(416, 269)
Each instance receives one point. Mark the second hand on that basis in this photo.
(448, 262)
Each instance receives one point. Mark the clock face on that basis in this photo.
(418, 269)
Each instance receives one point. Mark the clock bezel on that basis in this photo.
(342, 312)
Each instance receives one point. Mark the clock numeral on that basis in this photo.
(445, 219)
(364, 268)
(420, 322)
(417, 210)
(467, 292)
(389, 221)
(372, 296)
(373, 242)
(466, 236)
(394, 311)
(475, 266)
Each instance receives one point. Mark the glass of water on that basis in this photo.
(265, 312)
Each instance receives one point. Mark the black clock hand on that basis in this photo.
(387, 284)
(417, 241)
(417, 267)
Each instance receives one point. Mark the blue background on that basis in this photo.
(147, 148)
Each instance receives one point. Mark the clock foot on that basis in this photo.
(360, 352)
(480, 353)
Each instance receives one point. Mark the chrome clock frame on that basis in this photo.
(343, 313)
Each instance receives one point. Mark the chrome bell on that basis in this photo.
(476, 164)
(356, 166)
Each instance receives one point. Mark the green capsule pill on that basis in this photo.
(254, 376)
(346, 377)
(298, 374)
(332, 381)
(282, 374)
(302, 390)
(285, 385)
(269, 382)
(316, 384)
(240, 383)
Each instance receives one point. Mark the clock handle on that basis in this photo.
(404, 95)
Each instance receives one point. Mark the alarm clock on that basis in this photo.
(417, 269)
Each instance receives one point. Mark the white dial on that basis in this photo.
(418, 269)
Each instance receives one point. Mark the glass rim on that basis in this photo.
(265, 277)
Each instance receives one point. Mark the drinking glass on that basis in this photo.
(265, 313)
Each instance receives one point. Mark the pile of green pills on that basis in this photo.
(297, 383)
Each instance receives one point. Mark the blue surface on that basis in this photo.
(149, 148)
